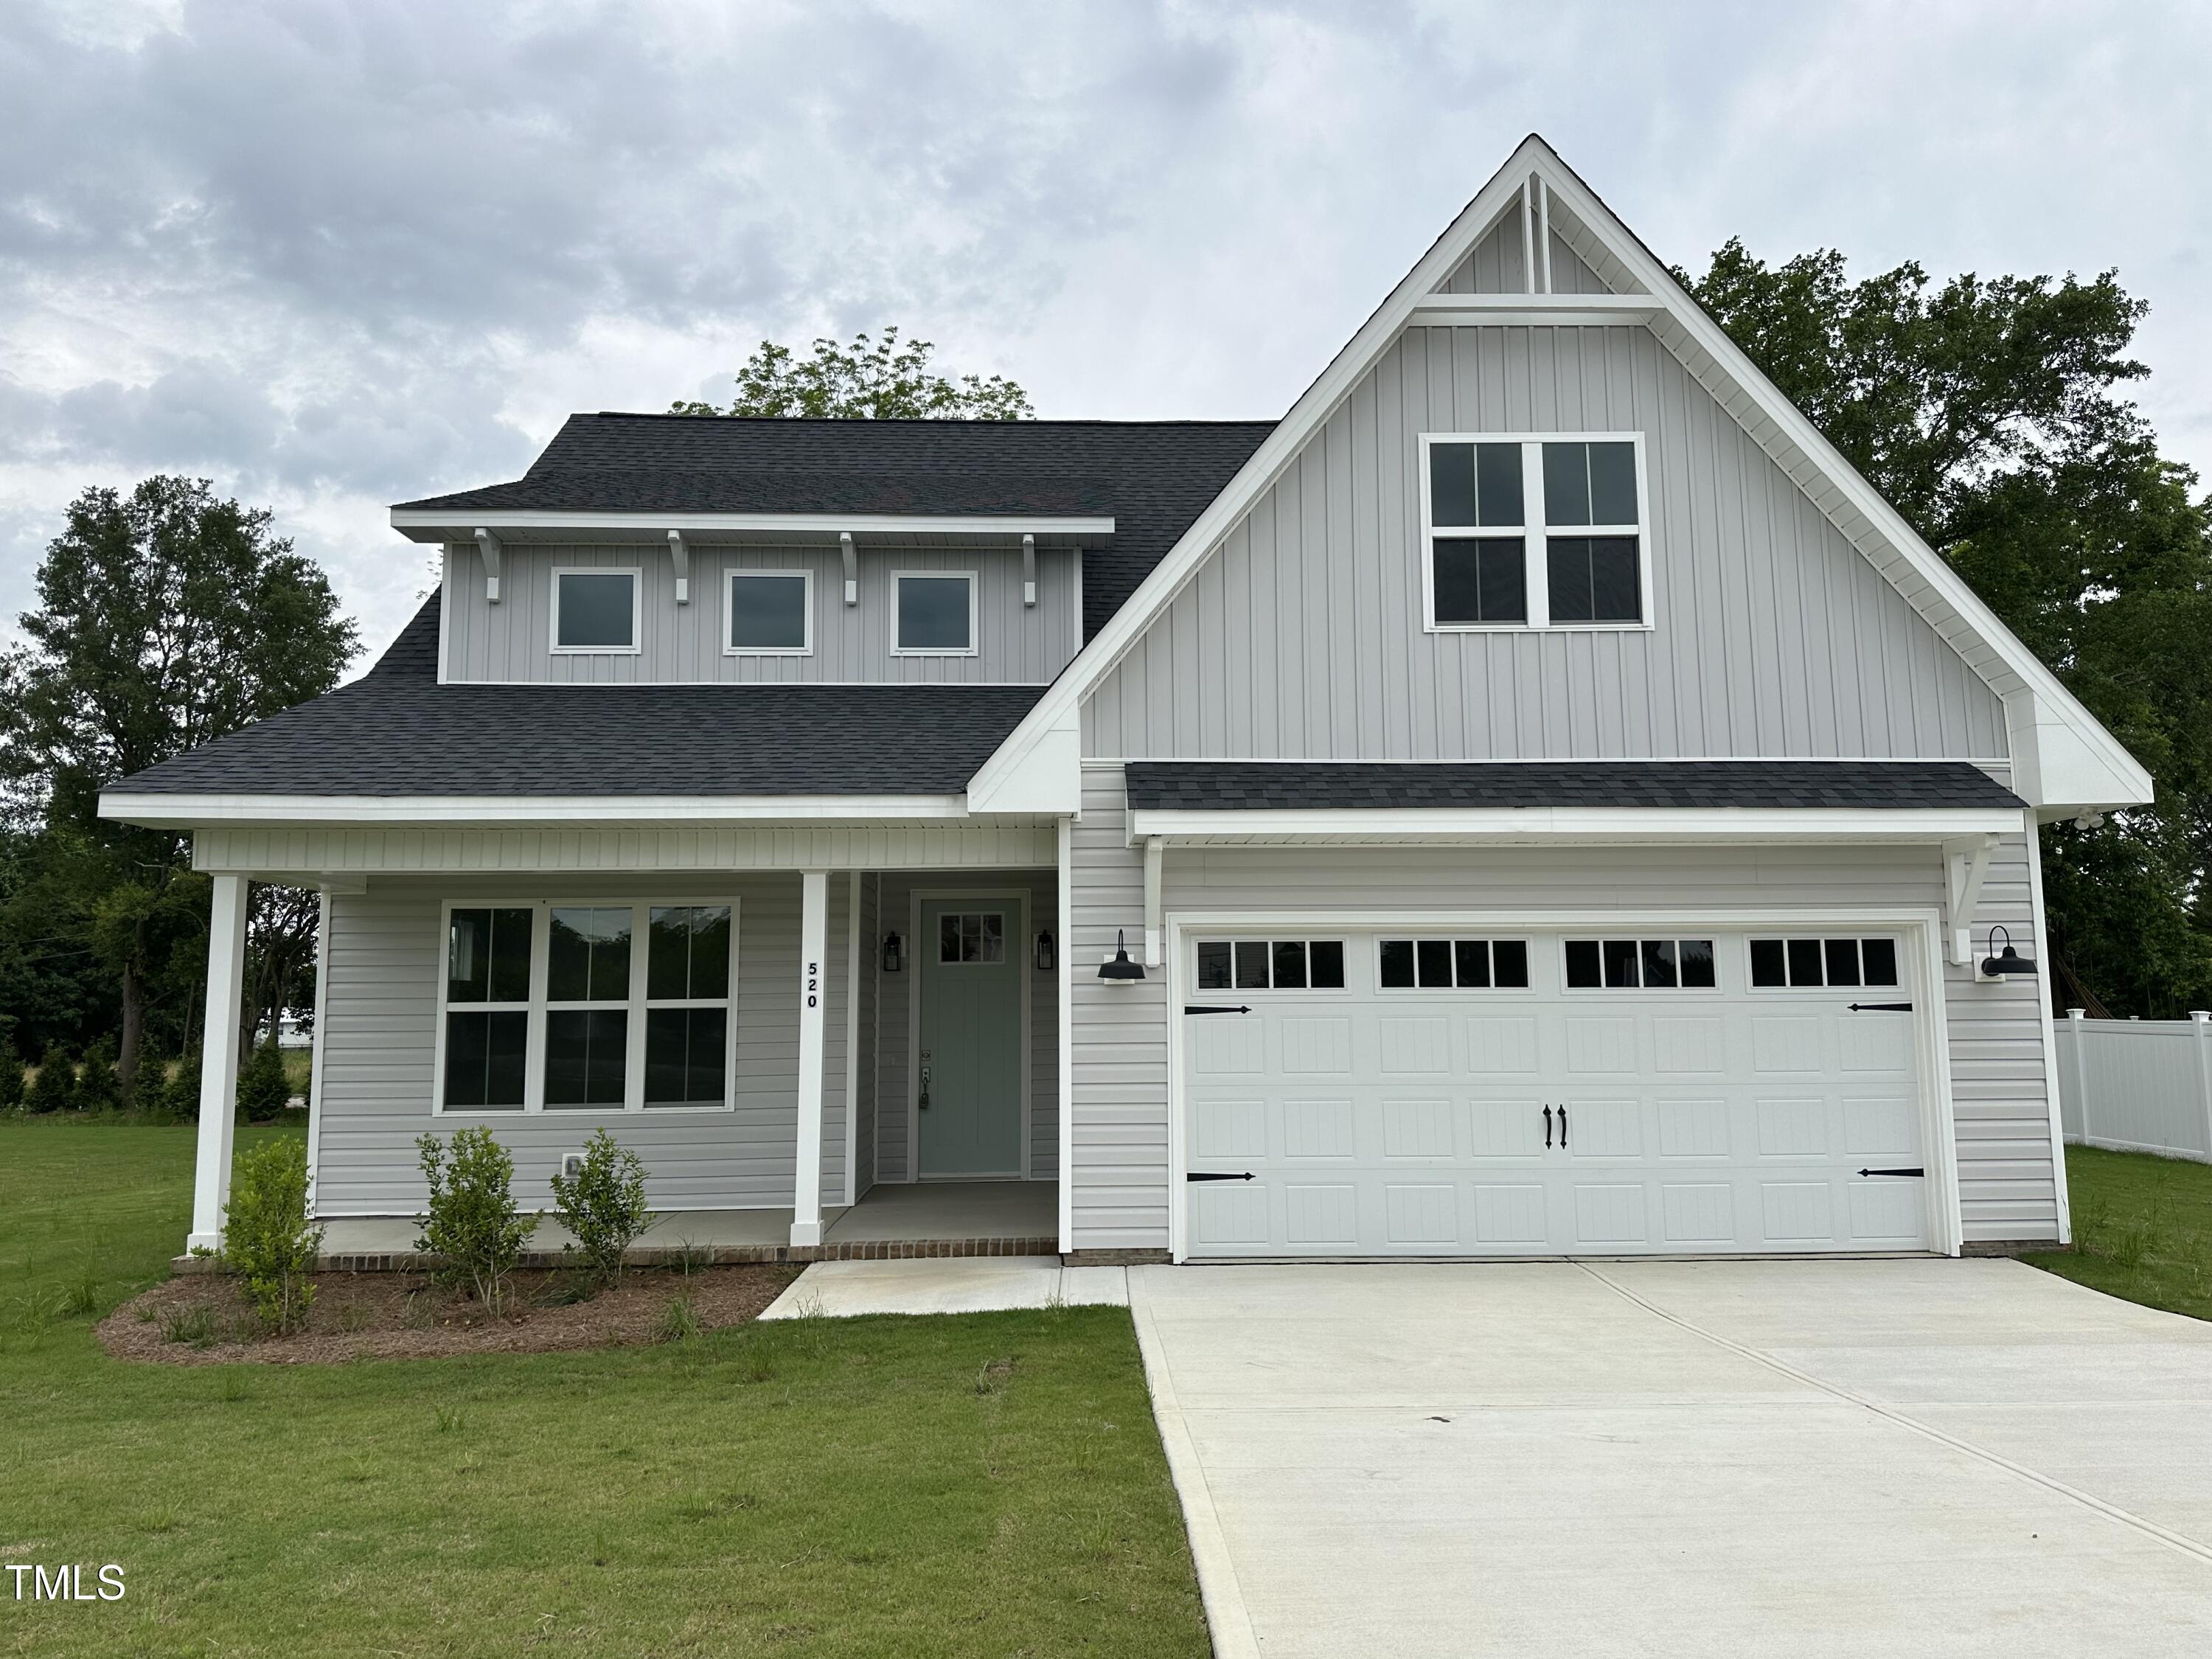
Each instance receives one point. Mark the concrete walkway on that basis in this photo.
(1823, 1458)
(842, 1289)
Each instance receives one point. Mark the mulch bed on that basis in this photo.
(204, 1319)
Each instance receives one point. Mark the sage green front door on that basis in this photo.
(969, 1097)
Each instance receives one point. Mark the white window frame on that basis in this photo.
(541, 938)
(1535, 566)
(1309, 938)
(1675, 936)
(1752, 988)
(1527, 941)
(730, 579)
(636, 575)
(975, 620)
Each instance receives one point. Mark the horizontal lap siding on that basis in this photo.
(1303, 635)
(512, 640)
(1119, 1097)
(379, 1040)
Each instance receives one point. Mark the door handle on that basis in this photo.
(1548, 1126)
(1563, 1123)
(925, 1088)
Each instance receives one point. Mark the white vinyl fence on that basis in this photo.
(2141, 1085)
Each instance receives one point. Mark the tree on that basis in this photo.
(1988, 411)
(167, 618)
(264, 1090)
(871, 379)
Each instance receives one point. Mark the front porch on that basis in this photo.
(936, 1219)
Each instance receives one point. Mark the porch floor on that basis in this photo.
(974, 1213)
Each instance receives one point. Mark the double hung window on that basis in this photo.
(1535, 532)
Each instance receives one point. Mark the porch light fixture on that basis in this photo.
(1045, 959)
(2000, 964)
(894, 952)
(1121, 967)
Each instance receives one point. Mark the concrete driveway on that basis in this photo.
(1917, 1458)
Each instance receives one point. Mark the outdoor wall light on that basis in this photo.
(1045, 959)
(1121, 967)
(1999, 964)
(894, 952)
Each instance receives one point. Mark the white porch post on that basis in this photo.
(226, 989)
(813, 982)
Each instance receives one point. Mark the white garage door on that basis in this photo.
(1374, 1093)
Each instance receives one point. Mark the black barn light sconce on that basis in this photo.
(894, 953)
(1121, 967)
(2002, 964)
(1045, 958)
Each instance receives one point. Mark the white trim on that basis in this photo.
(535, 1010)
(731, 578)
(219, 1041)
(1018, 899)
(315, 1054)
(636, 611)
(1104, 761)
(853, 944)
(1065, 1150)
(813, 991)
(440, 521)
(2040, 934)
(1536, 534)
(1942, 595)
(975, 620)
(192, 811)
(1533, 310)
(1355, 825)
(1939, 1129)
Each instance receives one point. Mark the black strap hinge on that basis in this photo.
(1204, 1008)
(1881, 1007)
(1893, 1172)
(1195, 1176)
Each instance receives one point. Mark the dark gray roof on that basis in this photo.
(397, 732)
(1219, 786)
(1152, 477)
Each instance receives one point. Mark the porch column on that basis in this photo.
(226, 990)
(813, 983)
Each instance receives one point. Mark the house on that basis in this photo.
(1535, 797)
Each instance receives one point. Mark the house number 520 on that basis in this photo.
(813, 984)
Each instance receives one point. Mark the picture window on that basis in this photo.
(1640, 964)
(595, 610)
(1804, 964)
(1262, 964)
(1444, 964)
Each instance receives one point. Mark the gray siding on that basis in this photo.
(894, 1016)
(512, 640)
(1303, 635)
(379, 1048)
(1493, 266)
(1119, 1088)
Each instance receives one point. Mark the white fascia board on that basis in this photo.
(1357, 825)
(432, 525)
(168, 811)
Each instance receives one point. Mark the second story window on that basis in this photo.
(770, 612)
(935, 613)
(595, 611)
(1535, 531)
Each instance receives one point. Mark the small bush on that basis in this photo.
(54, 1089)
(98, 1090)
(266, 1239)
(179, 1092)
(11, 1078)
(603, 1203)
(473, 1224)
(263, 1091)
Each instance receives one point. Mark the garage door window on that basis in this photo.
(1644, 964)
(1271, 964)
(1800, 962)
(1448, 964)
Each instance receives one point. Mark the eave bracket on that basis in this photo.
(488, 547)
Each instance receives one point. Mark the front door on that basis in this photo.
(968, 1093)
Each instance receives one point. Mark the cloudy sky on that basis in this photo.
(334, 255)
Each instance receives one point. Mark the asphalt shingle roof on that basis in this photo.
(397, 732)
(1153, 477)
(1215, 785)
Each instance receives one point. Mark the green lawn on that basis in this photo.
(2143, 1226)
(989, 1485)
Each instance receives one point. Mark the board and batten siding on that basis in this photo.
(1302, 634)
(512, 642)
(1494, 264)
(378, 1047)
(895, 1014)
(1119, 1084)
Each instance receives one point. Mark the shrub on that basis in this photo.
(54, 1089)
(179, 1093)
(98, 1090)
(472, 1225)
(11, 1078)
(263, 1091)
(266, 1239)
(603, 1203)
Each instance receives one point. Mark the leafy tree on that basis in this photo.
(167, 618)
(871, 379)
(11, 1078)
(54, 1089)
(98, 1088)
(1988, 411)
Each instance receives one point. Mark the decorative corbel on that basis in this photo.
(1965, 863)
(682, 556)
(1029, 569)
(488, 546)
(852, 567)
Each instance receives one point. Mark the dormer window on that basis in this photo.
(595, 611)
(936, 613)
(771, 613)
(1535, 532)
